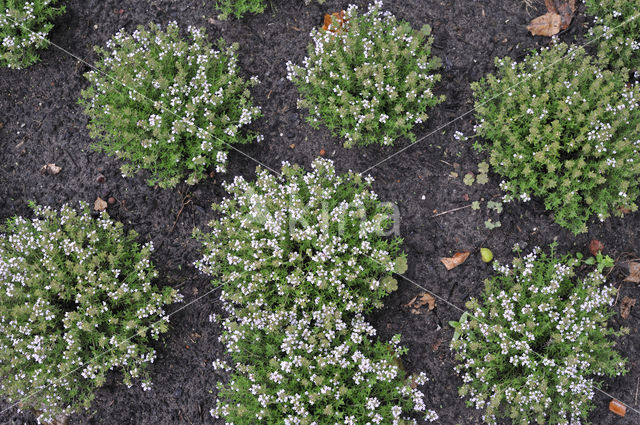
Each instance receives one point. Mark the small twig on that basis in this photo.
(618, 294)
(446, 163)
(184, 204)
(635, 401)
(450, 211)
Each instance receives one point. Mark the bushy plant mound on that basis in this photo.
(563, 129)
(24, 26)
(239, 8)
(168, 105)
(302, 257)
(529, 349)
(368, 77)
(616, 31)
(76, 301)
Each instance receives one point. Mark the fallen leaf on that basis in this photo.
(634, 272)
(595, 246)
(292, 145)
(322, 152)
(546, 25)
(51, 169)
(420, 300)
(624, 210)
(100, 204)
(566, 14)
(618, 408)
(625, 306)
(337, 19)
(457, 259)
(436, 344)
(551, 6)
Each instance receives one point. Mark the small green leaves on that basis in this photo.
(401, 265)
(496, 206)
(469, 179)
(490, 224)
(475, 205)
(483, 168)
(389, 283)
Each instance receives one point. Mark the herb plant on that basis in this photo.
(76, 301)
(616, 30)
(239, 8)
(24, 26)
(563, 129)
(530, 347)
(301, 258)
(167, 105)
(368, 77)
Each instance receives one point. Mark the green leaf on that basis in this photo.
(389, 283)
(483, 168)
(401, 265)
(468, 179)
(590, 261)
(456, 332)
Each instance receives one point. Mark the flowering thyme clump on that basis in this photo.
(527, 351)
(563, 129)
(616, 30)
(167, 105)
(24, 26)
(370, 81)
(76, 301)
(302, 258)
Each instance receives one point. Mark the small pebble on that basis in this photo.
(111, 200)
(424, 197)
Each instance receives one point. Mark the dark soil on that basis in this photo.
(41, 123)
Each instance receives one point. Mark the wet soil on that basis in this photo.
(42, 123)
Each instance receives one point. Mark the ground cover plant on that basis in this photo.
(77, 301)
(532, 344)
(562, 128)
(616, 31)
(368, 77)
(301, 258)
(239, 8)
(180, 105)
(24, 26)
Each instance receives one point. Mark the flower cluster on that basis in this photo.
(24, 26)
(527, 351)
(167, 105)
(76, 301)
(239, 8)
(616, 30)
(565, 130)
(302, 258)
(368, 77)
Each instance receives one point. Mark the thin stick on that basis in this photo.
(636, 398)
(450, 211)
(184, 204)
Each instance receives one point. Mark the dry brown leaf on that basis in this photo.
(546, 25)
(336, 18)
(618, 408)
(551, 6)
(51, 169)
(457, 259)
(634, 272)
(420, 300)
(566, 15)
(100, 204)
(572, 5)
(595, 246)
(625, 306)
